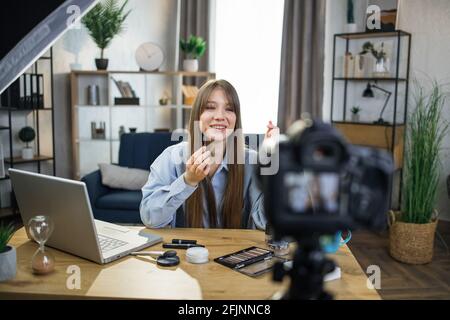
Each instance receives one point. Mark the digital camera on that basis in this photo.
(325, 184)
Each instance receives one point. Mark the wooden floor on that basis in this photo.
(403, 281)
(398, 280)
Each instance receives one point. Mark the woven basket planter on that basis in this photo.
(411, 242)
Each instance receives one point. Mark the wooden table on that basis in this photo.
(138, 277)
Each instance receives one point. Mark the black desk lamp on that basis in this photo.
(368, 93)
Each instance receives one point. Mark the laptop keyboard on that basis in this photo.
(107, 243)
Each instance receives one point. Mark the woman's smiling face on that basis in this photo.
(218, 118)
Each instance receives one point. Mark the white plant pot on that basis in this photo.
(190, 65)
(355, 117)
(75, 66)
(8, 264)
(351, 27)
(27, 153)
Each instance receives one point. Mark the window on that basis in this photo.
(247, 53)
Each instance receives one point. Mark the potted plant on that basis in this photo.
(104, 22)
(355, 113)
(27, 134)
(381, 68)
(194, 48)
(8, 258)
(351, 25)
(412, 230)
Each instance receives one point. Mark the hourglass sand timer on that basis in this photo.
(40, 228)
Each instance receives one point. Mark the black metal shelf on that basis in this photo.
(397, 123)
(369, 123)
(10, 110)
(375, 34)
(370, 79)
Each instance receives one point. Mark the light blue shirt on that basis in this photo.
(165, 193)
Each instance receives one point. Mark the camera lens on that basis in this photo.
(323, 152)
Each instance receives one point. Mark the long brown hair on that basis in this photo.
(233, 198)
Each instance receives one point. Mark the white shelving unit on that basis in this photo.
(149, 116)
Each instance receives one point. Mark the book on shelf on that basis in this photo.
(27, 92)
(129, 93)
(37, 96)
(124, 88)
(119, 85)
(189, 93)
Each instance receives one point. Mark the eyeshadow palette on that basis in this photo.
(260, 267)
(244, 257)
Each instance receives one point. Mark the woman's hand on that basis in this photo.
(272, 131)
(197, 166)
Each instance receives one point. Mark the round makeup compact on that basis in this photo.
(197, 255)
(280, 248)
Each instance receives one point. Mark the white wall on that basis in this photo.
(334, 23)
(149, 20)
(429, 23)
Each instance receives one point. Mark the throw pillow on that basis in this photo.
(118, 177)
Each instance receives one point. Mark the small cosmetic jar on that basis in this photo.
(197, 255)
(280, 248)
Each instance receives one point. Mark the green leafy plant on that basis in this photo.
(355, 109)
(350, 12)
(194, 47)
(104, 22)
(27, 134)
(6, 233)
(369, 47)
(425, 133)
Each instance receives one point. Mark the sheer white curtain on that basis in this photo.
(248, 37)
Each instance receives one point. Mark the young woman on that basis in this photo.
(206, 182)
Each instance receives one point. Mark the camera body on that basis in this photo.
(324, 184)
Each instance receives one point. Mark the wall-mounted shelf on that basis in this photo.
(96, 140)
(19, 160)
(171, 106)
(13, 109)
(149, 116)
(210, 75)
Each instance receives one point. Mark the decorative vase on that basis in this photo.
(190, 65)
(363, 65)
(101, 64)
(411, 243)
(8, 264)
(381, 68)
(355, 117)
(348, 65)
(351, 28)
(27, 153)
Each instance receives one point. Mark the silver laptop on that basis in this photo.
(75, 230)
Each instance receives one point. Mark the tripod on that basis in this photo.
(308, 270)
